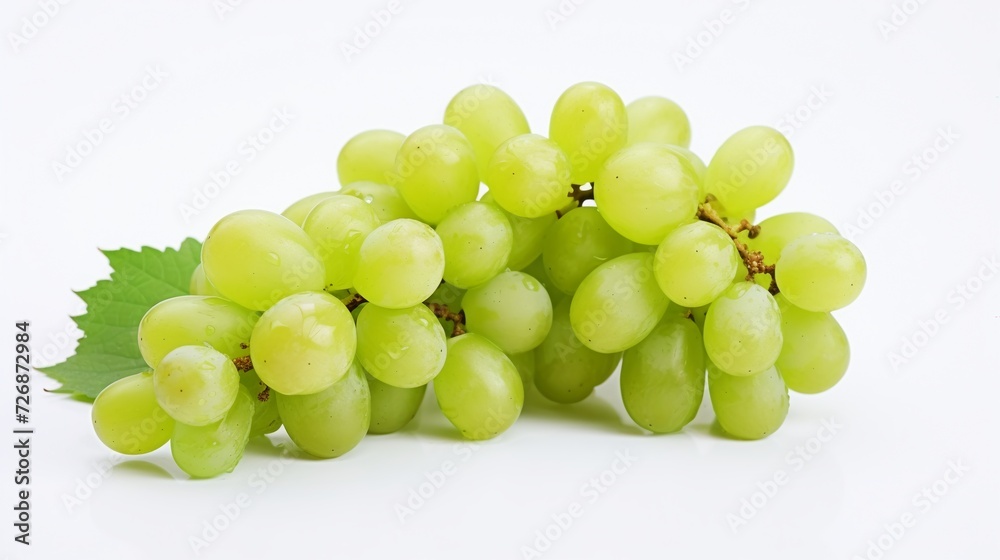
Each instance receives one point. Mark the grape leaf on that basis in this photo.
(109, 348)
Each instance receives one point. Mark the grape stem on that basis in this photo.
(753, 260)
(579, 195)
(353, 301)
(439, 310)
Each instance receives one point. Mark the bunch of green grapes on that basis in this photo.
(332, 319)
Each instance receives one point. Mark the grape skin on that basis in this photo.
(589, 122)
(743, 330)
(529, 176)
(392, 407)
(578, 243)
(401, 347)
(401, 264)
(657, 119)
(488, 117)
(513, 310)
(750, 169)
(477, 240)
(128, 419)
(332, 422)
(195, 320)
(815, 353)
(339, 225)
(695, 263)
(821, 272)
(196, 385)
(369, 156)
(749, 406)
(214, 449)
(436, 171)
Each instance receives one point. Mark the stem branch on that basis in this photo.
(753, 260)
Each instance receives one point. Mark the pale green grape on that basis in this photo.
(589, 122)
(513, 310)
(657, 119)
(566, 371)
(479, 390)
(448, 295)
(525, 364)
(303, 344)
(369, 156)
(199, 285)
(695, 263)
(265, 406)
(815, 354)
(821, 272)
(339, 225)
(436, 171)
(750, 168)
(645, 191)
(386, 201)
(697, 166)
(529, 235)
(299, 209)
(618, 304)
(196, 385)
(477, 240)
(529, 176)
(195, 320)
(578, 243)
(743, 330)
(216, 448)
(127, 417)
(663, 377)
(537, 271)
(401, 264)
(401, 347)
(392, 407)
(487, 117)
(731, 217)
(255, 258)
(780, 230)
(333, 421)
(748, 406)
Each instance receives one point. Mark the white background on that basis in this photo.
(888, 96)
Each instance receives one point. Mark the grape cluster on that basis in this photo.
(332, 318)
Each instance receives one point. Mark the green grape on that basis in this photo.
(750, 168)
(743, 330)
(698, 315)
(578, 243)
(127, 417)
(566, 371)
(780, 230)
(303, 344)
(450, 296)
(436, 171)
(195, 320)
(525, 364)
(477, 240)
(299, 209)
(732, 218)
(339, 225)
(529, 176)
(401, 347)
(748, 406)
(255, 258)
(199, 285)
(265, 406)
(645, 191)
(821, 272)
(657, 119)
(589, 122)
(815, 354)
(697, 166)
(537, 271)
(529, 235)
(663, 377)
(214, 449)
(487, 117)
(196, 385)
(392, 407)
(618, 304)
(401, 264)
(386, 201)
(695, 263)
(333, 421)
(479, 389)
(513, 310)
(369, 156)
